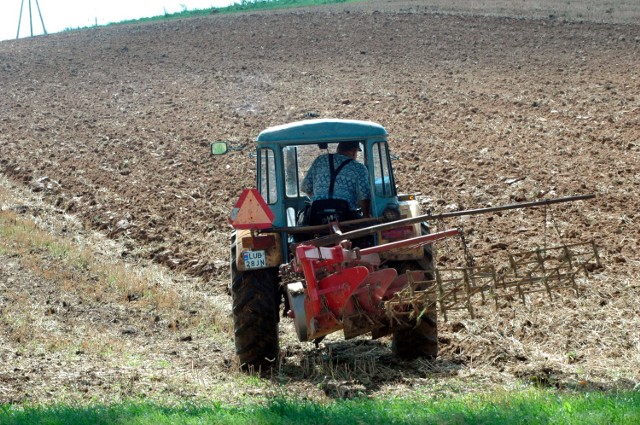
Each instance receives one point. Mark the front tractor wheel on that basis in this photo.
(255, 318)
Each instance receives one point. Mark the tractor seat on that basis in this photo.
(326, 210)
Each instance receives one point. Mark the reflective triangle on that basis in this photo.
(251, 211)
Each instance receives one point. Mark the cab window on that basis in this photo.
(298, 160)
(292, 177)
(384, 185)
(267, 172)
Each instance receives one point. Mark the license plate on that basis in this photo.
(254, 259)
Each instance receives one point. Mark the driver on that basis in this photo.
(342, 178)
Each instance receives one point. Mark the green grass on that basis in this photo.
(524, 407)
(241, 6)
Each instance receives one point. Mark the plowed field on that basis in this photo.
(112, 125)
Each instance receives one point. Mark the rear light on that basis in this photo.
(404, 198)
(398, 233)
(258, 242)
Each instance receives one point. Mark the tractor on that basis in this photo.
(325, 289)
(370, 275)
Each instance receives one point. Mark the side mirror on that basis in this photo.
(219, 148)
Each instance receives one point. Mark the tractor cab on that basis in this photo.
(285, 154)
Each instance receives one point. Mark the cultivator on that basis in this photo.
(352, 290)
(292, 246)
(346, 289)
(545, 270)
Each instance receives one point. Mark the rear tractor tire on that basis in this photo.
(421, 340)
(256, 299)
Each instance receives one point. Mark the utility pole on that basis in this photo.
(30, 18)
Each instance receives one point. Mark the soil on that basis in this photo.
(112, 126)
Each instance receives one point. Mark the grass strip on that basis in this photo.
(241, 6)
(535, 406)
(75, 269)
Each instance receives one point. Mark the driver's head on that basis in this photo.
(349, 149)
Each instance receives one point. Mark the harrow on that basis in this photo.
(544, 270)
(352, 290)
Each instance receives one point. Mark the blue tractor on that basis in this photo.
(328, 285)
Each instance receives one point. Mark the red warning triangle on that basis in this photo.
(251, 211)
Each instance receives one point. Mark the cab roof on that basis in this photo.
(321, 130)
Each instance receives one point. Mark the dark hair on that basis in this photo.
(349, 146)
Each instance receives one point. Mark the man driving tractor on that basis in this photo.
(339, 183)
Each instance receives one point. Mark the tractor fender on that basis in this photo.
(255, 252)
(408, 208)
